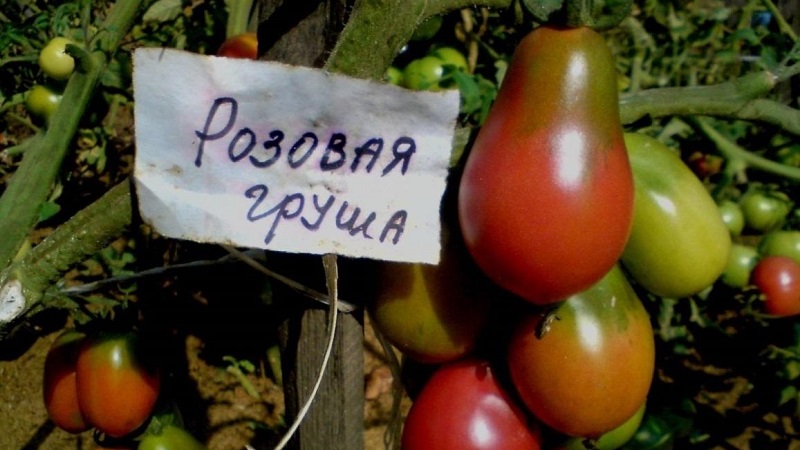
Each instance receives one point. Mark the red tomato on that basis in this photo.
(242, 46)
(546, 197)
(464, 407)
(117, 390)
(778, 278)
(588, 368)
(60, 391)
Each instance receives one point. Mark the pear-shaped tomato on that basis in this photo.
(117, 384)
(585, 367)
(432, 313)
(679, 244)
(546, 197)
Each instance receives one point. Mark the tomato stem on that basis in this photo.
(733, 152)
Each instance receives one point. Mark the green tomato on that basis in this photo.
(615, 438)
(741, 262)
(451, 57)
(394, 76)
(170, 438)
(732, 217)
(423, 74)
(54, 61)
(765, 210)
(782, 243)
(42, 102)
(678, 244)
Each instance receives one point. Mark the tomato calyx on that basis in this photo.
(599, 15)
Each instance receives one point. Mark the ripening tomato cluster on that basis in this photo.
(432, 71)
(54, 61)
(107, 381)
(773, 264)
(102, 381)
(532, 318)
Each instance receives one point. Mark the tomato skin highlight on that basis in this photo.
(592, 369)
(679, 244)
(464, 407)
(546, 196)
(778, 278)
(60, 388)
(117, 391)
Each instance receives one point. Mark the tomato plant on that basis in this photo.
(60, 388)
(778, 279)
(242, 46)
(42, 101)
(463, 406)
(432, 313)
(679, 244)
(567, 365)
(170, 437)
(117, 388)
(548, 165)
(784, 243)
(54, 60)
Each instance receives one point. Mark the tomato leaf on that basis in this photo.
(542, 9)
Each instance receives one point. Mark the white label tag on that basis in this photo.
(265, 155)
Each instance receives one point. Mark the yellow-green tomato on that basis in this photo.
(54, 60)
(171, 438)
(614, 439)
(741, 262)
(393, 75)
(431, 313)
(42, 101)
(678, 244)
(424, 74)
(451, 57)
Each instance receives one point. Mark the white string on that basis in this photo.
(331, 276)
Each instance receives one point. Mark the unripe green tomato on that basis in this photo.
(170, 438)
(764, 211)
(451, 57)
(732, 216)
(741, 262)
(54, 60)
(678, 244)
(42, 101)
(615, 438)
(423, 74)
(782, 243)
(393, 76)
